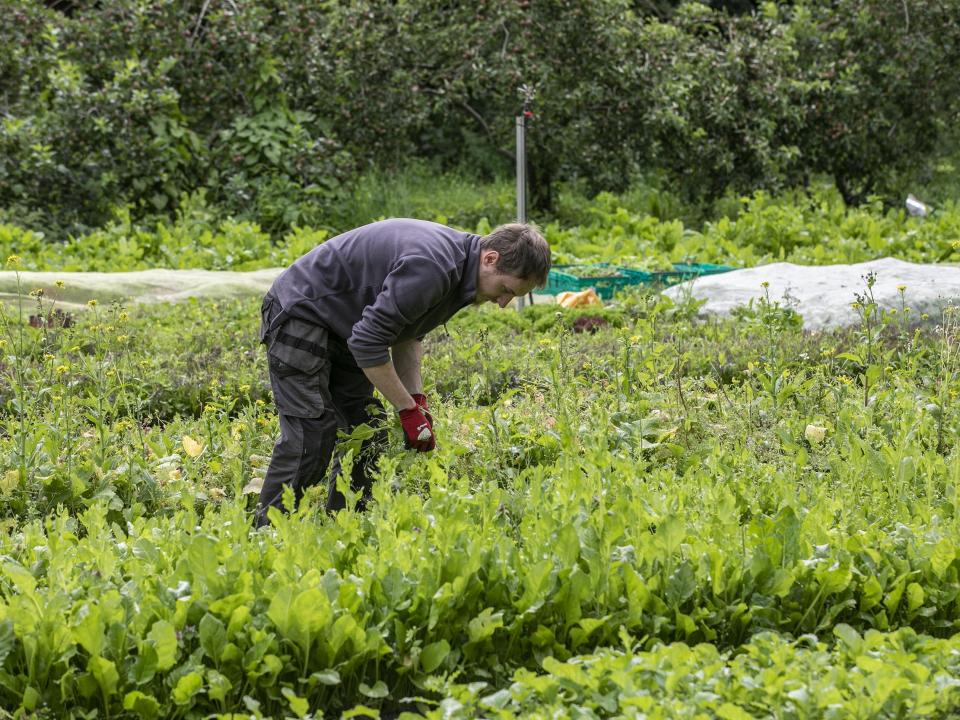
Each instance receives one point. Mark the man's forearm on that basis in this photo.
(407, 357)
(385, 379)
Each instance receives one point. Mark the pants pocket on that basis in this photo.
(299, 394)
(299, 368)
(299, 344)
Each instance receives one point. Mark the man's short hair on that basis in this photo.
(524, 253)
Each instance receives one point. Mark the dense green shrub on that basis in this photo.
(274, 107)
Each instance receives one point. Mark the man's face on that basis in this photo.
(498, 287)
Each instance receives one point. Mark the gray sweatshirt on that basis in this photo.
(382, 284)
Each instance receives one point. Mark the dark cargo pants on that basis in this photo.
(318, 389)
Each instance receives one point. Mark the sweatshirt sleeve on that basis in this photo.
(414, 285)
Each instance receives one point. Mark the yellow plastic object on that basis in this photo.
(583, 298)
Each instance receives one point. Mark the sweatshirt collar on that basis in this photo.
(468, 281)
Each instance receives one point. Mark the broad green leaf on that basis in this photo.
(836, 578)
(915, 596)
(346, 633)
(105, 673)
(201, 561)
(566, 671)
(681, 585)
(146, 550)
(942, 556)
(163, 637)
(537, 582)
(542, 637)
(213, 637)
(327, 677)
(485, 624)
(379, 690)
(144, 706)
(434, 654)
(567, 545)
(779, 583)
(298, 705)
(497, 701)
(637, 592)
(187, 686)
(670, 533)
(850, 637)
(872, 593)
(31, 698)
(685, 624)
(218, 685)
(231, 653)
(591, 624)
(238, 619)
(312, 609)
(19, 576)
(360, 711)
(892, 601)
(225, 606)
(280, 611)
(89, 630)
(145, 667)
(729, 711)
(300, 616)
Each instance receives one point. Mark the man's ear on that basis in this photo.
(489, 258)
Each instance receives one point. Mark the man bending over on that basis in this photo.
(349, 316)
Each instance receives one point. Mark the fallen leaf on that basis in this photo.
(253, 486)
(191, 446)
(9, 482)
(815, 434)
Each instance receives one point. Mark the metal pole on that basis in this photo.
(521, 169)
(521, 180)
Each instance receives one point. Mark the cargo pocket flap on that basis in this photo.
(300, 345)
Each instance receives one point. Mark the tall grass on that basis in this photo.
(452, 197)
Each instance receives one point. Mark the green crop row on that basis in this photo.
(196, 240)
(200, 615)
(808, 229)
(814, 228)
(652, 477)
(876, 675)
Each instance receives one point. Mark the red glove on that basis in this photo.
(417, 430)
(421, 400)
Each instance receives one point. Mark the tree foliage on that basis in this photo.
(271, 107)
